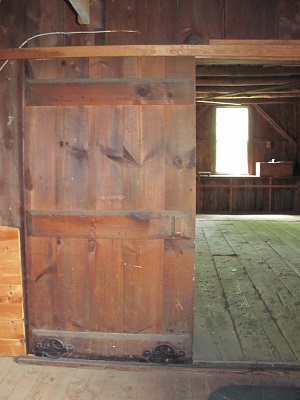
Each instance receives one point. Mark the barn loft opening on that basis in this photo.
(232, 140)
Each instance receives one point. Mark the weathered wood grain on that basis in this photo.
(12, 330)
(110, 91)
(200, 21)
(161, 22)
(97, 345)
(91, 379)
(263, 26)
(214, 335)
(111, 225)
(12, 333)
(104, 255)
(105, 192)
(287, 24)
(287, 54)
(125, 15)
(11, 35)
(259, 281)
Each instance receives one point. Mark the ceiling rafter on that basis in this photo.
(82, 7)
(275, 125)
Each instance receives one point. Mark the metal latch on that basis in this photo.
(52, 348)
(164, 354)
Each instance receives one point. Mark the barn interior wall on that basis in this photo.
(170, 22)
(266, 142)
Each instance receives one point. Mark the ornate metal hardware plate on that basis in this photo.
(164, 354)
(52, 348)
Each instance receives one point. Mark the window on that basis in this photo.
(232, 140)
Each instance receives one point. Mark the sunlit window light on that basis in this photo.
(232, 140)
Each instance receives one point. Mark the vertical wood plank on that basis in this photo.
(43, 17)
(288, 19)
(41, 283)
(105, 159)
(106, 285)
(180, 158)
(72, 158)
(200, 20)
(11, 209)
(72, 194)
(257, 19)
(73, 313)
(79, 67)
(161, 22)
(180, 173)
(179, 287)
(128, 15)
(143, 286)
(106, 193)
(144, 185)
(40, 171)
(39, 192)
(11, 34)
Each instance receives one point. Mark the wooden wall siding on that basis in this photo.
(247, 195)
(11, 34)
(287, 115)
(200, 20)
(288, 23)
(129, 15)
(281, 150)
(161, 22)
(195, 22)
(251, 19)
(182, 21)
(42, 17)
(12, 335)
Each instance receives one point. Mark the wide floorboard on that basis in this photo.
(247, 301)
(35, 382)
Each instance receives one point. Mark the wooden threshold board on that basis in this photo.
(205, 367)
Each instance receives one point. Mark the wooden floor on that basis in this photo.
(33, 382)
(247, 302)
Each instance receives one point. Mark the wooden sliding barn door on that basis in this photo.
(109, 172)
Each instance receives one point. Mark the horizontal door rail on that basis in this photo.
(111, 224)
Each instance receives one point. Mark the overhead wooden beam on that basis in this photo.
(275, 125)
(219, 54)
(208, 95)
(251, 101)
(82, 7)
(248, 81)
(235, 71)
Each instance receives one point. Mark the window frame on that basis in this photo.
(250, 149)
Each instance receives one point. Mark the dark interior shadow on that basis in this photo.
(249, 392)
